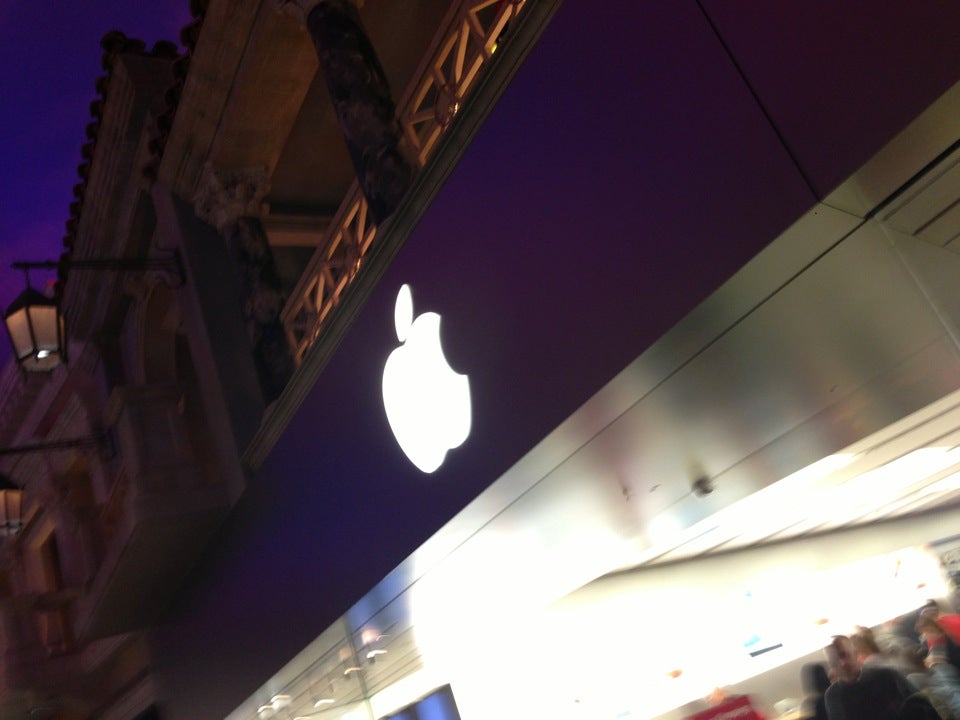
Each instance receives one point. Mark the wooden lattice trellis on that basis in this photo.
(465, 42)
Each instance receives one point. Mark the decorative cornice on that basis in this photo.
(189, 35)
(224, 196)
(301, 9)
(114, 44)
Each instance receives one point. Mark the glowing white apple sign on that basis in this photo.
(427, 403)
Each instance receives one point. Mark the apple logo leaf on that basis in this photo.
(403, 313)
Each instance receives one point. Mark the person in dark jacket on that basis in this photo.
(814, 681)
(919, 707)
(861, 693)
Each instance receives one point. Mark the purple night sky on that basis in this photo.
(51, 54)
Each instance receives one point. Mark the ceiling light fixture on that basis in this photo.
(279, 702)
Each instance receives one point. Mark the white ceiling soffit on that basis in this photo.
(906, 156)
(930, 209)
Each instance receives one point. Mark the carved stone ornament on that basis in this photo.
(224, 196)
(302, 8)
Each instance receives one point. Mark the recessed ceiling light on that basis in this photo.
(324, 701)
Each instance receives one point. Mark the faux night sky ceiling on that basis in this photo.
(50, 52)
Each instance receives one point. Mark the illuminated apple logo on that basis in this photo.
(427, 403)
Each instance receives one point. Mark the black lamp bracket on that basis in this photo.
(103, 440)
(172, 263)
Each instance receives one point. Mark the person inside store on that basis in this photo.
(946, 634)
(859, 693)
(943, 677)
(906, 639)
(918, 707)
(870, 654)
(902, 638)
(814, 681)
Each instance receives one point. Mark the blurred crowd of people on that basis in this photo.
(907, 669)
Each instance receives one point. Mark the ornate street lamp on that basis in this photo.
(11, 495)
(36, 331)
(34, 321)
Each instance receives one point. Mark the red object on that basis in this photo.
(950, 624)
(738, 708)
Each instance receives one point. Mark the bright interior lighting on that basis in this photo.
(771, 501)
(590, 656)
(755, 517)
(407, 690)
(815, 496)
(665, 529)
(946, 484)
(760, 606)
(359, 714)
(760, 609)
(815, 472)
(902, 473)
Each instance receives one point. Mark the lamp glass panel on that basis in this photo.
(20, 333)
(36, 329)
(45, 319)
(48, 352)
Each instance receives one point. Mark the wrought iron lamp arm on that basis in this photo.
(173, 263)
(102, 440)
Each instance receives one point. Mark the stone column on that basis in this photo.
(361, 98)
(230, 201)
